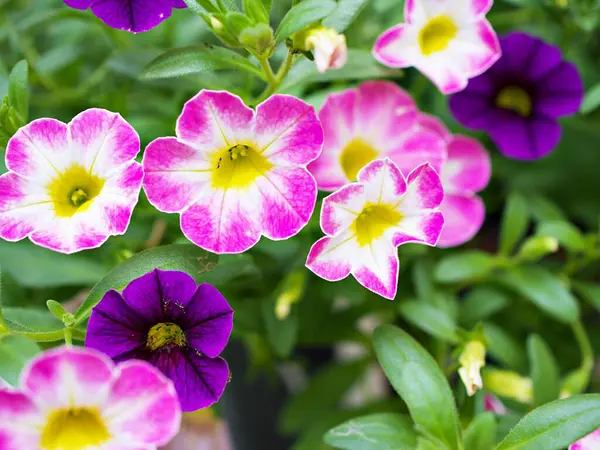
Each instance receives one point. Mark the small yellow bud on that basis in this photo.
(509, 384)
(471, 360)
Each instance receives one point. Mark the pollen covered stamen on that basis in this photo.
(238, 167)
(165, 334)
(74, 429)
(436, 35)
(73, 191)
(373, 221)
(79, 197)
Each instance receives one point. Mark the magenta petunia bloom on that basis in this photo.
(76, 398)
(518, 101)
(70, 186)
(590, 442)
(129, 15)
(366, 221)
(466, 171)
(164, 318)
(234, 174)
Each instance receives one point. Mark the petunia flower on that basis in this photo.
(366, 221)
(449, 41)
(129, 15)
(590, 442)
(70, 186)
(467, 171)
(75, 398)
(234, 174)
(518, 101)
(164, 318)
(376, 120)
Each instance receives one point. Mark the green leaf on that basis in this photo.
(268, 4)
(51, 269)
(197, 59)
(345, 13)
(376, 432)
(417, 378)
(302, 15)
(434, 321)
(504, 347)
(544, 371)
(18, 96)
(15, 352)
(481, 432)
(201, 6)
(183, 257)
(237, 22)
(229, 5)
(589, 292)
(514, 223)
(591, 101)
(282, 333)
(31, 319)
(567, 234)
(543, 210)
(555, 425)
(544, 289)
(482, 302)
(464, 266)
(256, 10)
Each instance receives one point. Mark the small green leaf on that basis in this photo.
(56, 309)
(481, 432)
(588, 292)
(201, 6)
(15, 352)
(434, 321)
(197, 59)
(36, 320)
(345, 13)
(544, 289)
(184, 257)
(18, 96)
(302, 15)
(504, 347)
(464, 266)
(544, 371)
(376, 432)
(566, 234)
(417, 378)
(591, 101)
(256, 10)
(514, 223)
(482, 302)
(555, 425)
(237, 22)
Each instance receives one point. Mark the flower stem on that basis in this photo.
(274, 80)
(587, 352)
(68, 336)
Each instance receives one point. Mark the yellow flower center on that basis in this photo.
(437, 34)
(357, 154)
(373, 221)
(163, 334)
(74, 429)
(73, 191)
(515, 99)
(238, 167)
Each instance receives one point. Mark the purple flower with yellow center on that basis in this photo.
(129, 15)
(164, 318)
(518, 101)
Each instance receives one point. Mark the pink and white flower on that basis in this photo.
(449, 41)
(366, 221)
(590, 442)
(234, 174)
(467, 171)
(328, 46)
(70, 186)
(375, 120)
(75, 398)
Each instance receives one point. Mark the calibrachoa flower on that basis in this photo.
(518, 101)
(70, 186)
(466, 171)
(74, 398)
(234, 174)
(129, 15)
(366, 221)
(449, 41)
(375, 120)
(590, 442)
(164, 318)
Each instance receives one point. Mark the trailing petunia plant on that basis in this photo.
(351, 224)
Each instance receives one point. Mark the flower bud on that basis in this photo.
(471, 360)
(537, 247)
(291, 292)
(493, 404)
(509, 384)
(258, 39)
(222, 32)
(328, 46)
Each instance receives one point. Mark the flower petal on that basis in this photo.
(560, 92)
(424, 190)
(142, 407)
(420, 146)
(463, 218)
(331, 257)
(468, 168)
(132, 15)
(472, 109)
(397, 46)
(288, 131)
(422, 227)
(208, 321)
(341, 208)
(590, 442)
(434, 124)
(478, 46)
(383, 182)
(377, 268)
(20, 421)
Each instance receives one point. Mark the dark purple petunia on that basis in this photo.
(165, 319)
(129, 15)
(519, 99)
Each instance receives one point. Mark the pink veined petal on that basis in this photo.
(68, 376)
(424, 191)
(420, 146)
(463, 218)
(288, 131)
(341, 208)
(40, 150)
(397, 46)
(175, 174)
(383, 182)
(102, 141)
(376, 267)
(288, 201)
(215, 120)
(434, 124)
(423, 227)
(20, 421)
(331, 257)
(468, 168)
(142, 406)
(224, 221)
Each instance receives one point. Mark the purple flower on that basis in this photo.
(519, 99)
(129, 15)
(165, 319)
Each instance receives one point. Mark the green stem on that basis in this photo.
(587, 352)
(274, 81)
(68, 336)
(3, 325)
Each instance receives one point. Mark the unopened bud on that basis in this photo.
(537, 247)
(328, 46)
(259, 38)
(471, 360)
(508, 384)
